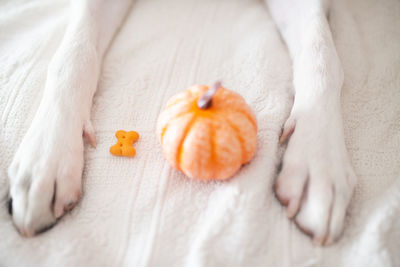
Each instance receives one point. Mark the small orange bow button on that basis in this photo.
(124, 145)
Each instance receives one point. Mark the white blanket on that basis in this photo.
(140, 212)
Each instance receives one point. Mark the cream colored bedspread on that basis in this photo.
(140, 212)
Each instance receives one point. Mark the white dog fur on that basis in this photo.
(316, 181)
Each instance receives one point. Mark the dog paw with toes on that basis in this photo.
(46, 173)
(316, 180)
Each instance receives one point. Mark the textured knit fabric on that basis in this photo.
(141, 212)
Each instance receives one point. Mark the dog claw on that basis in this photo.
(287, 130)
(88, 133)
(9, 204)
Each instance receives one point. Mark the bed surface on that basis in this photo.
(140, 212)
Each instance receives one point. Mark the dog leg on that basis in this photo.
(317, 179)
(46, 172)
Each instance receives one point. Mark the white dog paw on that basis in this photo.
(45, 174)
(316, 180)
